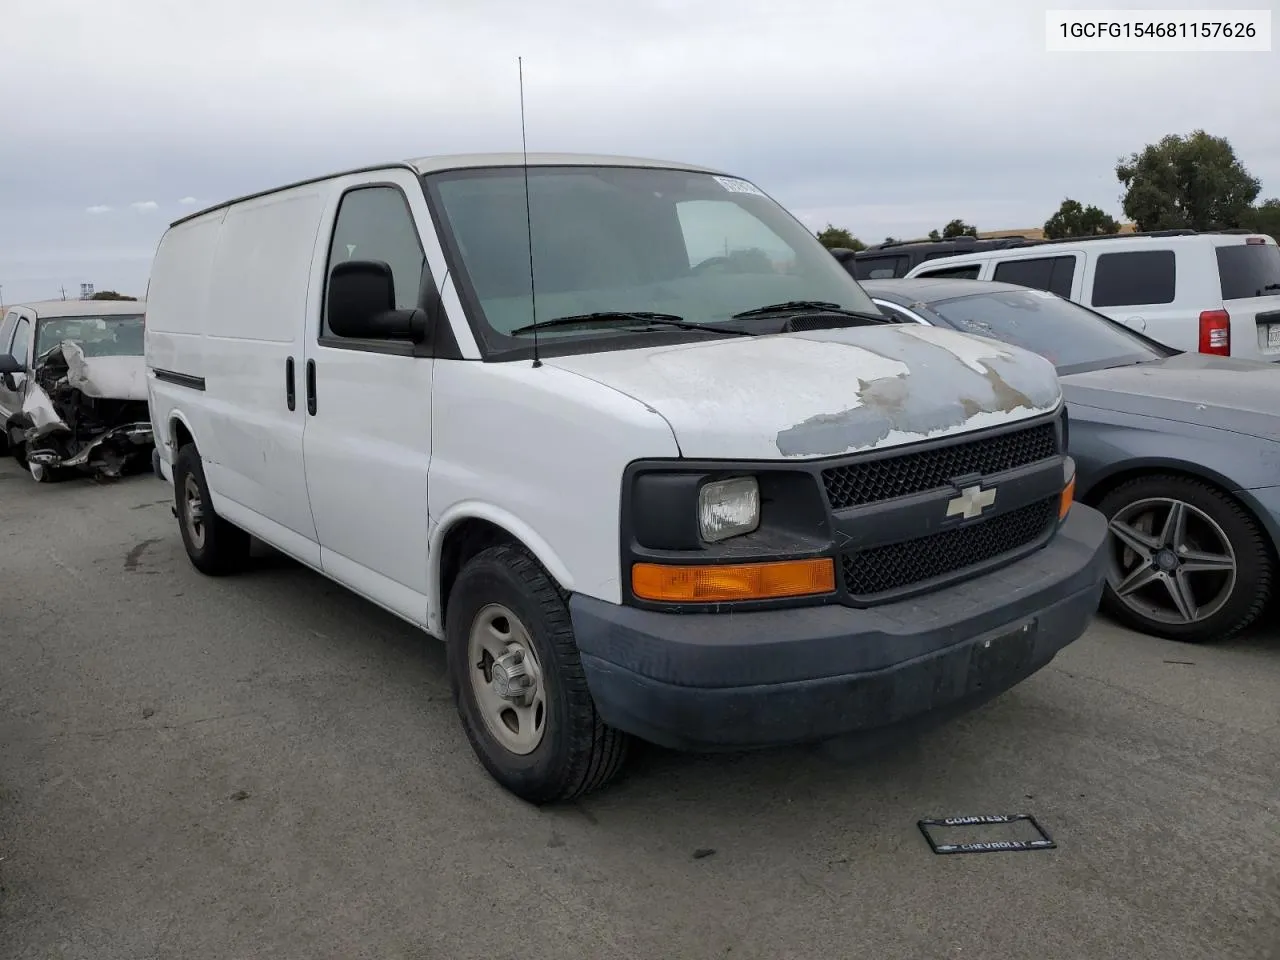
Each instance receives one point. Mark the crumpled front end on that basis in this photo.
(87, 413)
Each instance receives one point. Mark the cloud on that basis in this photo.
(188, 201)
(831, 107)
(98, 208)
(144, 205)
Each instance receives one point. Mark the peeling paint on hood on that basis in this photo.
(826, 392)
(108, 378)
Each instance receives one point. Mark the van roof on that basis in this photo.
(470, 161)
(82, 308)
(465, 161)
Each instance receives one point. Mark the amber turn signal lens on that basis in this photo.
(1068, 494)
(740, 581)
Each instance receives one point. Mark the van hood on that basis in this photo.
(1227, 393)
(824, 393)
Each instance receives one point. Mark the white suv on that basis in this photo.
(1214, 293)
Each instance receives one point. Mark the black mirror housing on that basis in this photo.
(10, 365)
(362, 304)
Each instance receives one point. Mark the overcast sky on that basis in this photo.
(888, 118)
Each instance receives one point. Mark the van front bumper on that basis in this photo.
(742, 680)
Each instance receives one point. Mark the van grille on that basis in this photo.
(877, 570)
(899, 476)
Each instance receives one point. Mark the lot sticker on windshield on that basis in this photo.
(734, 185)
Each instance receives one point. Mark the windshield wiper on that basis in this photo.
(606, 317)
(812, 306)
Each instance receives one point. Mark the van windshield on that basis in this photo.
(626, 239)
(119, 335)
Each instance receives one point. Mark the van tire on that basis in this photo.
(577, 752)
(215, 546)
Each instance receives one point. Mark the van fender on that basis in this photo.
(168, 437)
(518, 530)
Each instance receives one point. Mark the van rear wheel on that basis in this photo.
(518, 683)
(215, 546)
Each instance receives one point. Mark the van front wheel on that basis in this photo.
(518, 681)
(215, 546)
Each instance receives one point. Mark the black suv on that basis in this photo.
(895, 258)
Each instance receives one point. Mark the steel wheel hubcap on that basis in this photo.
(506, 679)
(1170, 561)
(193, 508)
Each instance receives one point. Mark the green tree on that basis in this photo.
(839, 238)
(1194, 181)
(110, 295)
(1074, 220)
(1265, 218)
(958, 228)
(934, 235)
(890, 239)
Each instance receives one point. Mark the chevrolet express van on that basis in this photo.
(629, 440)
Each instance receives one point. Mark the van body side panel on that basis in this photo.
(254, 322)
(544, 445)
(174, 334)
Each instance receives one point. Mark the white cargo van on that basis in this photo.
(669, 474)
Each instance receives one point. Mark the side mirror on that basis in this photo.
(362, 304)
(8, 367)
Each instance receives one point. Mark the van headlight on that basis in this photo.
(728, 508)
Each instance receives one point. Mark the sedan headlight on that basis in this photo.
(728, 508)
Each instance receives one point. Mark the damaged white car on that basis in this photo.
(73, 390)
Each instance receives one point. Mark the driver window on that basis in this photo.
(21, 341)
(374, 223)
(721, 230)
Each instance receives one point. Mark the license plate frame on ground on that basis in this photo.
(1045, 842)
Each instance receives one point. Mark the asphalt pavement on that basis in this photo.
(268, 766)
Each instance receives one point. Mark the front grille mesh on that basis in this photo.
(898, 565)
(900, 476)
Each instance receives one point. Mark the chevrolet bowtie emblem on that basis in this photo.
(971, 502)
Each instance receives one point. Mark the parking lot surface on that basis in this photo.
(267, 766)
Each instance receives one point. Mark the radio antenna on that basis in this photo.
(528, 215)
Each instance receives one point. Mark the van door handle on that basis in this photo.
(289, 394)
(311, 387)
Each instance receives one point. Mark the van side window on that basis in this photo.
(374, 223)
(1136, 278)
(21, 340)
(1041, 273)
